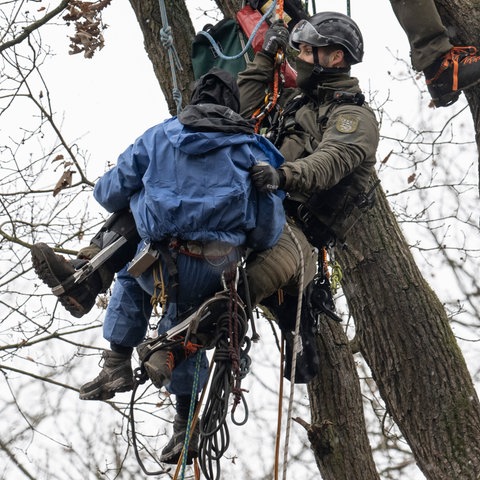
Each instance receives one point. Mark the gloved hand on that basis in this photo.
(276, 37)
(265, 178)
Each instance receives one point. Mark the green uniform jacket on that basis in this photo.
(329, 146)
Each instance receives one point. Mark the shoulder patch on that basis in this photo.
(346, 123)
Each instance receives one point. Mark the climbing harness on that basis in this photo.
(159, 296)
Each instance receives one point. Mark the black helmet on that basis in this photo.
(330, 28)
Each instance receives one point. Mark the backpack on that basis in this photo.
(231, 37)
(230, 40)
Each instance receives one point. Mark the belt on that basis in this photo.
(193, 248)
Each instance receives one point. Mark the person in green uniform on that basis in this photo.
(326, 132)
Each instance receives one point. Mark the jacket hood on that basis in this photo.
(201, 128)
(208, 117)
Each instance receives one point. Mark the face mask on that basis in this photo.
(305, 80)
(309, 78)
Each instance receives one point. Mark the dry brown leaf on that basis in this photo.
(385, 160)
(64, 182)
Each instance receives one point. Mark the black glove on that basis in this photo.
(276, 37)
(265, 178)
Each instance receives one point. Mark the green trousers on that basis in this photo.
(425, 31)
(280, 266)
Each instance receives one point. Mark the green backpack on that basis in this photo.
(230, 40)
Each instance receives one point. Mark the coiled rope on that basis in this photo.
(231, 365)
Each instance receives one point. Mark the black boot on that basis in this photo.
(455, 71)
(53, 269)
(172, 451)
(115, 376)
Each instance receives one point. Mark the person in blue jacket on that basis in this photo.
(187, 184)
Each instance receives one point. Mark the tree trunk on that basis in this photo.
(406, 339)
(337, 434)
(182, 31)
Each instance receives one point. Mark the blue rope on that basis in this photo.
(250, 40)
(167, 40)
(191, 412)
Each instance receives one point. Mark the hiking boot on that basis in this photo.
(115, 376)
(159, 364)
(456, 70)
(172, 451)
(54, 270)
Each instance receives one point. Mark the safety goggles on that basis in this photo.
(305, 32)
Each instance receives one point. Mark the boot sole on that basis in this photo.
(44, 272)
(173, 457)
(450, 98)
(105, 392)
(41, 267)
(72, 306)
(446, 100)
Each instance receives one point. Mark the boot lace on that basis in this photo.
(454, 57)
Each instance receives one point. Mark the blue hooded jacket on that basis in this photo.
(194, 184)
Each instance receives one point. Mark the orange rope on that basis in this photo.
(279, 10)
(325, 263)
(271, 99)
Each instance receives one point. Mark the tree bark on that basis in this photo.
(337, 433)
(405, 337)
(150, 21)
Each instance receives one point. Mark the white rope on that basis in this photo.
(294, 352)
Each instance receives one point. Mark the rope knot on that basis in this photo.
(166, 36)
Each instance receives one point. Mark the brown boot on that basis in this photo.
(456, 70)
(54, 269)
